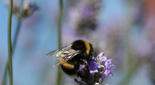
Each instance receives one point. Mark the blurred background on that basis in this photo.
(123, 29)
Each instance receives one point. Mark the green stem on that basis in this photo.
(128, 76)
(59, 73)
(131, 71)
(132, 65)
(14, 45)
(16, 35)
(19, 22)
(10, 44)
(5, 75)
(60, 23)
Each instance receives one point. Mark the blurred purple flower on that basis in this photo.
(26, 10)
(84, 16)
(153, 58)
(140, 44)
(87, 11)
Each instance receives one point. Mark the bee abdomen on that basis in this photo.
(69, 71)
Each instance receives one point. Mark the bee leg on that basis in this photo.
(80, 82)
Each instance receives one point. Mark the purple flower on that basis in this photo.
(93, 67)
(101, 65)
(107, 64)
(98, 69)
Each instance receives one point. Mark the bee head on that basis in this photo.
(78, 45)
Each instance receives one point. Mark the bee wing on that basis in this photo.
(58, 51)
(66, 53)
(52, 53)
(69, 54)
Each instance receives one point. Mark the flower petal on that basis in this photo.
(93, 67)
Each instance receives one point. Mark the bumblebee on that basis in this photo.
(72, 56)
